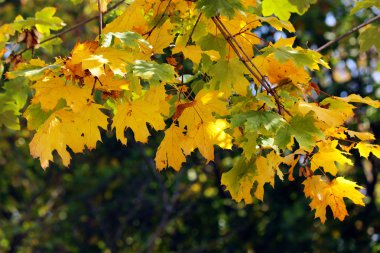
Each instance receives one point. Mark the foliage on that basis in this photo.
(198, 72)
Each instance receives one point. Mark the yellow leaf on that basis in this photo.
(170, 153)
(131, 20)
(136, 115)
(267, 167)
(326, 157)
(278, 72)
(108, 82)
(324, 193)
(336, 115)
(203, 129)
(161, 37)
(366, 148)
(363, 136)
(63, 128)
(354, 98)
(116, 59)
(50, 89)
(194, 53)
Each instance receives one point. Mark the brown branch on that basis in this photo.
(73, 27)
(353, 30)
(158, 21)
(100, 20)
(192, 30)
(245, 59)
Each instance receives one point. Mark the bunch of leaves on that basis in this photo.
(261, 102)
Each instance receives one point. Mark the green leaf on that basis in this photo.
(284, 8)
(31, 71)
(228, 76)
(302, 5)
(128, 39)
(239, 180)
(301, 57)
(219, 7)
(281, 8)
(212, 42)
(249, 145)
(265, 122)
(12, 100)
(369, 37)
(153, 71)
(35, 116)
(47, 15)
(302, 128)
(364, 4)
(44, 21)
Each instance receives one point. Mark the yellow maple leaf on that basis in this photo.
(203, 129)
(324, 193)
(116, 59)
(363, 136)
(267, 168)
(354, 98)
(326, 157)
(50, 89)
(170, 153)
(136, 114)
(366, 148)
(132, 19)
(278, 72)
(194, 53)
(68, 128)
(161, 37)
(108, 82)
(335, 115)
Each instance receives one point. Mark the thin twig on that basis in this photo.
(100, 20)
(73, 27)
(245, 59)
(353, 30)
(192, 30)
(158, 21)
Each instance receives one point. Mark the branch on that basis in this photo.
(100, 20)
(353, 30)
(148, 33)
(244, 58)
(73, 27)
(192, 30)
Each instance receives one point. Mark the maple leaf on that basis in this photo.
(302, 128)
(366, 148)
(336, 113)
(228, 76)
(326, 157)
(132, 19)
(203, 129)
(170, 153)
(136, 114)
(50, 89)
(66, 128)
(324, 193)
(219, 7)
(267, 168)
(239, 180)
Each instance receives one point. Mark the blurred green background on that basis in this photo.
(113, 200)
